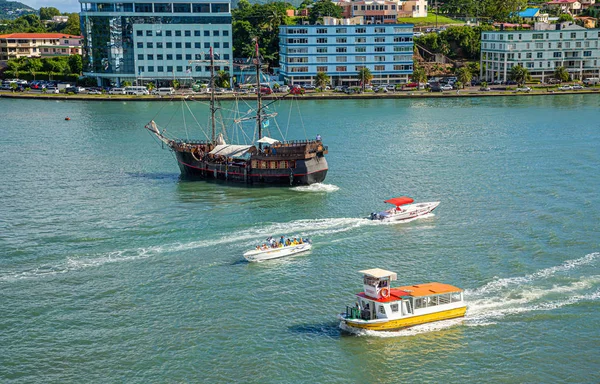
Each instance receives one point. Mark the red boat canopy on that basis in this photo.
(398, 201)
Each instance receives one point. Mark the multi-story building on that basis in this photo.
(15, 45)
(341, 49)
(541, 51)
(154, 40)
(383, 11)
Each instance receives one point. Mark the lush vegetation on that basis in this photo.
(458, 42)
(56, 68)
(12, 9)
(494, 10)
(519, 74)
(34, 24)
(431, 19)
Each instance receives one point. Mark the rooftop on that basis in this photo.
(39, 36)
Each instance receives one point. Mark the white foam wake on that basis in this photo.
(318, 187)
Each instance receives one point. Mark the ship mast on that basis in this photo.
(258, 93)
(212, 96)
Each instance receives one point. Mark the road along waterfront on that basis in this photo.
(115, 270)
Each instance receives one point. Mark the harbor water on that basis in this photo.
(112, 269)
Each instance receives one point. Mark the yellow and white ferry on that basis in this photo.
(383, 308)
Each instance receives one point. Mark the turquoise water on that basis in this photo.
(114, 270)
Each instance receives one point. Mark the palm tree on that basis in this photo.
(519, 74)
(34, 65)
(560, 73)
(150, 87)
(464, 75)
(419, 75)
(321, 80)
(365, 76)
(222, 80)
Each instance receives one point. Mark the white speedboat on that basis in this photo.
(404, 209)
(257, 255)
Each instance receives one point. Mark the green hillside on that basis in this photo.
(12, 9)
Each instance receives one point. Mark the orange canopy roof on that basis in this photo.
(428, 289)
(39, 36)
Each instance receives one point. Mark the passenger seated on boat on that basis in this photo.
(300, 241)
(295, 242)
(288, 242)
(281, 241)
(258, 247)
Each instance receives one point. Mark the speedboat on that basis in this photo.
(268, 252)
(404, 209)
(383, 308)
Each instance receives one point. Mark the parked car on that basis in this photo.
(339, 88)
(94, 92)
(523, 89)
(309, 87)
(485, 89)
(447, 87)
(116, 91)
(565, 88)
(52, 90)
(577, 87)
(283, 88)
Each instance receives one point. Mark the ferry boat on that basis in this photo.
(383, 308)
(404, 209)
(258, 255)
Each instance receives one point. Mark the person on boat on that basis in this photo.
(288, 242)
(295, 242)
(281, 241)
(300, 241)
(258, 247)
(318, 137)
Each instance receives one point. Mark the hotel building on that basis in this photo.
(341, 50)
(154, 41)
(541, 51)
(382, 11)
(16, 45)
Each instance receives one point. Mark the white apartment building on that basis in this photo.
(541, 51)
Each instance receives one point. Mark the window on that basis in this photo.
(207, 45)
(140, 33)
(360, 49)
(140, 56)
(162, 7)
(179, 68)
(379, 30)
(216, 33)
(143, 7)
(188, 45)
(380, 67)
(341, 30)
(379, 58)
(361, 59)
(361, 30)
(340, 69)
(359, 67)
(188, 56)
(160, 68)
(140, 45)
(538, 36)
(379, 49)
(321, 40)
(299, 69)
(297, 40)
(341, 49)
(380, 39)
(298, 60)
(219, 7)
(381, 309)
(226, 44)
(587, 53)
(321, 30)
(187, 33)
(169, 56)
(168, 33)
(197, 45)
(159, 57)
(394, 307)
(140, 69)
(510, 37)
(149, 45)
(573, 35)
(150, 57)
(540, 55)
(181, 8)
(539, 45)
(341, 59)
(177, 33)
(200, 8)
(360, 39)
(321, 59)
(151, 68)
(169, 68)
(528, 55)
(225, 33)
(557, 54)
(321, 69)
(321, 49)
(216, 45)
(177, 45)
(341, 40)
(226, 56)
(169, 45)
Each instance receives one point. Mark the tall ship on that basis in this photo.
(263, 161)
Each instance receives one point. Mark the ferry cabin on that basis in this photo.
(383, 308)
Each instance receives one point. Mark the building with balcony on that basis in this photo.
(16, 45)
(382, 11)
(540, 51)
(154, 41)
(341, 48)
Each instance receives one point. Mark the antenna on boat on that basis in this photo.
(213, 108)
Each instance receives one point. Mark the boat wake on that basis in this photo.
(502, 298)
(318, 187)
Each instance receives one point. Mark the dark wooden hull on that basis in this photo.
(306, 172)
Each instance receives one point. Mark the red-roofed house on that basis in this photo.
(572, 7)
(15, 45)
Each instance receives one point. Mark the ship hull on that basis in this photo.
(306, 172)
(397, 324)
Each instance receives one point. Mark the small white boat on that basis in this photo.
(257, 255)
(404, 209)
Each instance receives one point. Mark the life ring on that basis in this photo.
(385, 292)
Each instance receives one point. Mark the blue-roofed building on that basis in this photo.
(341, 48)
(532, 15)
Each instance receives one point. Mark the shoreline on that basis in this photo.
(308, 96)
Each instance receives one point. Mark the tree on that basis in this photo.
(565, 17)
(519, 74)
(464, 75)
(14, 66)
(73, 27)
(75, 64)
(150, 86)
(34, 65)
(561, 73)
(222, 80)
(126, 83)
(321, 80)
(47, 13)
(324, 8)
(365, 76)
(419, 75)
